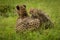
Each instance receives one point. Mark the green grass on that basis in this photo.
(51, 7)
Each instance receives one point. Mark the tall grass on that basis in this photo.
(51, 7)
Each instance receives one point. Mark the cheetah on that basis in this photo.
(24, 21)
(44, 19)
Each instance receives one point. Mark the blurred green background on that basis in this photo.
(8, 17)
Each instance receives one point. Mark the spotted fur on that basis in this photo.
(24, 21)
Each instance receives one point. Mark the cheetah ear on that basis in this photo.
(24, 6)
(17, 7)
